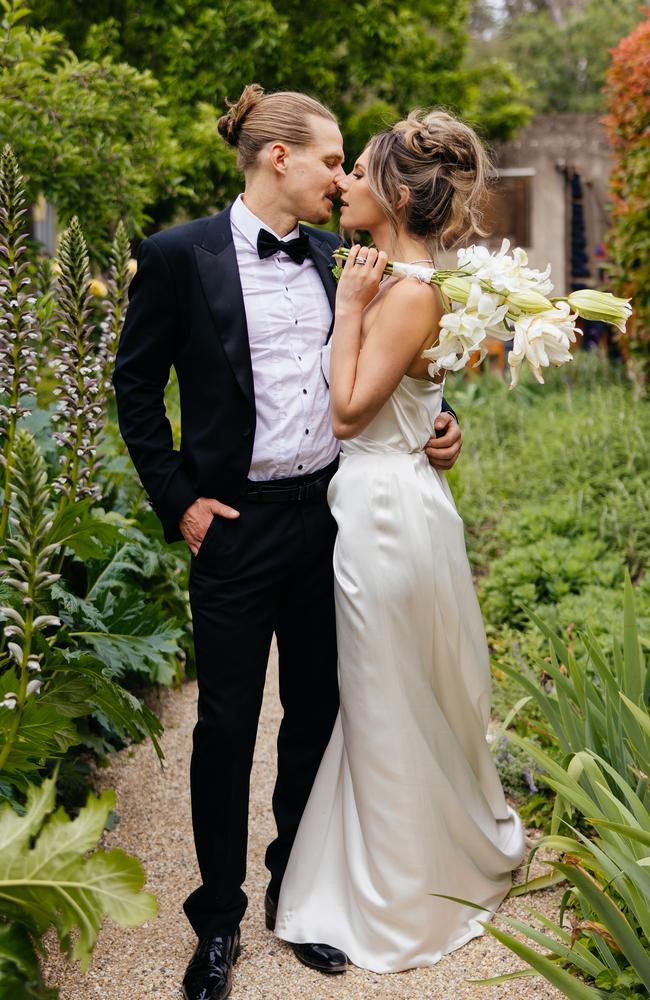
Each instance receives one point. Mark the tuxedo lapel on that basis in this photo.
(216, 261)
(322, 257)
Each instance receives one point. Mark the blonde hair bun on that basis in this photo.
(439, 135)
(443, 163)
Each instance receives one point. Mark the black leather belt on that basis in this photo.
(294, 490)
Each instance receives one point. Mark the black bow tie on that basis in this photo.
(268, 244)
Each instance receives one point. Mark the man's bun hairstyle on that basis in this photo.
(258, 118)
(230, 124)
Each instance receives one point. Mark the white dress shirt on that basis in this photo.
(288, 316)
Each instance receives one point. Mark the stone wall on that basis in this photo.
(548, 152)
(556, 146)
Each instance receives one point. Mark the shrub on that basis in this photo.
(628, 122)
(88, 601)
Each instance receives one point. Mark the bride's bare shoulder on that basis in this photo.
(409, 299)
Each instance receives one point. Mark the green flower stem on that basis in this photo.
(438, 278)
(8, 466)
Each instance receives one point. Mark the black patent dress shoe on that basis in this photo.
(322, 957)
(209, 973)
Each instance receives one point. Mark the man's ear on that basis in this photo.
(278, 154)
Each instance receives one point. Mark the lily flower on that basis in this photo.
(505, 272)
(542, 339)
(463, 331)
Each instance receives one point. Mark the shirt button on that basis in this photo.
(299, 358)
(299, 467)
(295, 322)
(304, 391)
(307, 431)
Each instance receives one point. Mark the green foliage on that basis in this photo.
(48, 878)
(20, 975)
(17, 316)
(545, 571)
(562, 60)
(91, 134)
(552, 487)
(598, 717)
(77, 568)
(590, 704)
(371, 65)
(90, 604)
(36, 726)
(628, 97)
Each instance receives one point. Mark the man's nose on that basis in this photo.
(341, 181)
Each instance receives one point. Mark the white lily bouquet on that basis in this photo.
(498, 295)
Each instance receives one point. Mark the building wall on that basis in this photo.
(548, 152)
(556, 146)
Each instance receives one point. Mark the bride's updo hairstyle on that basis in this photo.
(442, 162)
(258, 118)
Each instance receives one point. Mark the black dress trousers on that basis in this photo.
(269, 571)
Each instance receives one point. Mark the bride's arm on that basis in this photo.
(363, 378)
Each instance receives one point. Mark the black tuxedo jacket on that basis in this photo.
(186, 309)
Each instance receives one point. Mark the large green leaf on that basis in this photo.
(129, 716)
(88, 532)
(43, 734)
(133, 637)
(46, 879)
(73, 609)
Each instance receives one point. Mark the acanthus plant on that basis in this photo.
(79, 367)
(121, 270)
(65, 561)
(18, 322)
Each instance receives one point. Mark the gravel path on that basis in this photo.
(147, 963)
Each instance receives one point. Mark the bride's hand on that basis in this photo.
(359, 282)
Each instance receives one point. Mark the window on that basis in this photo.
(507, 208)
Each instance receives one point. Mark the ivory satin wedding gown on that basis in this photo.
(407, 800)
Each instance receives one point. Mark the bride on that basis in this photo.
(407, 801)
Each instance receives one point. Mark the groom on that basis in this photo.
(241, 303)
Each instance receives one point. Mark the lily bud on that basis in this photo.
(456, 288)
(603, 306)
(529, 301)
